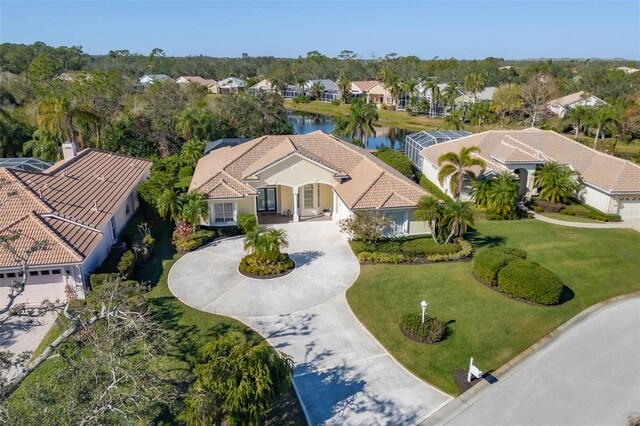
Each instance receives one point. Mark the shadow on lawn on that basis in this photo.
(478, 240)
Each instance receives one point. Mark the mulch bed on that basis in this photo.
(460, 377)
(267, 277)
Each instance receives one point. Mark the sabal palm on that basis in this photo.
(474, 82)
(275, 239)
(54, 116)
(429, 210)
(458, 216)
(192, 151)
(194, 208)
(169, 204)
(344, 87)
(480, 192)
(480, 113)
(450, 94)
(186, 122)
(434, 95)
(458, 167)
(602, 117)
(454, 118)
(557, 182)
(577, 117)
(42, 145)
(503, 194)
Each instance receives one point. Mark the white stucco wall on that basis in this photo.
(600, 200)
(295, 171)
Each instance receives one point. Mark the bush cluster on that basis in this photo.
(97, 280)
(424, 247)
(253, 265)
(408, 249)
(301, 100)
(247, 223)
(381, 257)
(550, 207)
(511, 251)
(336, 102)
(432, 331)
(126, 263)
(488, 263)
(583, 210)
(192, 241)
(527, 280)
(466, 249)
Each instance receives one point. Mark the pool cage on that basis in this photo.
(25, 164)
(416, 142)
(330, 95)
(290, 92)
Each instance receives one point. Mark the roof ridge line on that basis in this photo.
(369, 187)
(65, 244)
(222, 182)
(58, 216)
(29, 190)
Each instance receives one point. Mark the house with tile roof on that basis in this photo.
(561, 105)
(612, 184)
(190, 79)
(228, 85)
(79, 206)
(300, 177)
(152, 78)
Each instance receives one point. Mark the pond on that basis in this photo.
(304, 122)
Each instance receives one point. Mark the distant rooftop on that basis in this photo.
(25, 164)
(221, 143)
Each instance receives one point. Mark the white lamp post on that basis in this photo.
(423, 305)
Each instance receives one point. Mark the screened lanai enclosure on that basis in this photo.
(416, 142)
(25, 164)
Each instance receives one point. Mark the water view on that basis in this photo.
(304, 122)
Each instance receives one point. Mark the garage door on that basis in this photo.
(630, 208)
(48, 285)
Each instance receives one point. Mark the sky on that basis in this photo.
(514, 29)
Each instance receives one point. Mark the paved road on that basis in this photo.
(343, 375)
(590, 375)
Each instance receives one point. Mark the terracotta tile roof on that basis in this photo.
(501, 147)
(369, 182)
(571, 99)
(365, 86)
(60, 203)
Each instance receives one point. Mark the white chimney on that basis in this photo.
(69, 150)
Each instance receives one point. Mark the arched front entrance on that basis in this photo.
(523, 176)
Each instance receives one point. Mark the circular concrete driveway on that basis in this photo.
(208, 279)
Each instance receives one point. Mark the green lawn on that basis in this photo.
(595, 264)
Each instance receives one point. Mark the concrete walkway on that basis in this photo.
(633, 224)
(343, 376)
(588, 375)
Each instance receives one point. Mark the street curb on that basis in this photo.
(466, 399)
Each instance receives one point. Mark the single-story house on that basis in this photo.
(263, 86)
(471, 98)
(79, 205)
(612, 184)
(364, 89)
(151, 78)
(298, 177)
(561, 105)
(329, 93)
(188, 79)
(228, 85)
(628, 70)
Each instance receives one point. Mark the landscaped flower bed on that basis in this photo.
(420, 249)
(255, 267)
(432, 331)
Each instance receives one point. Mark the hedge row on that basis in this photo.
(527, 280)
(412, 247)
(583, 210)
(463, 249)
(509, 270)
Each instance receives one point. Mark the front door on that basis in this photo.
(267, 200)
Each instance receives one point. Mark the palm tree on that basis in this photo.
(169, 205)
(602, 117)
(42, 145)
(192, 151)
(433, 90)
(578, 116)
(316, 90)
(186, 123)
(458, 167)
(458, 216)
(480, 192)
(54, 116)
(344, 86)
(391, 82)
(474, 83)
(454, 118)
(429, 210)
(358, 123)
(194, 208)
(274, 240)
(254, 243)
(450, 94)
(503, 194)
(408, 88)
(557, 182)
(480, 113)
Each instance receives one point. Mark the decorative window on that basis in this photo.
(223, 213)
(307, 200)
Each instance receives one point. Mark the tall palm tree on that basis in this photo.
(458, 167)
(186, 122)
(454, 118)
(450, 94)
(42, 145)
(503, 194)
(316, 90)
(408, 88)
(578, 117)
(194, 208)
(55, 116)
(602, 117)
(391, 83)
(169, 204)
(480, 113)
(429, 210)
(433, 91)
(458, 216)
(344, 87)
(358, 123)
(192, 151)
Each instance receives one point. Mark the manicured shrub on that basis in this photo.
(488, 264)
(466, 249)
(97, 280)
(424, 247)
(127, 262)
(247, 223)
(336, 102)
(549, 206)
(584, 210)
(390, 247)
(253, 265)
(432, 331)
(226, 231)
(511, 251)
(536, 208)
(359, 246)
(398, 161)
(301, 100)
(194, 240)
(529, 281)
(366, 256)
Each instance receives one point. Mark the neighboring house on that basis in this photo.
(80, 206)
(262, 86)
(151, 78)
(612, 184)
(505, 67)
(330, 92)
(228, 85)
(561, 105)
(188, 79)
(296, 177)
(426, 93)
(25, 164)
(362, 89)
(470, 98)
(221, 143)
(628, 70)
